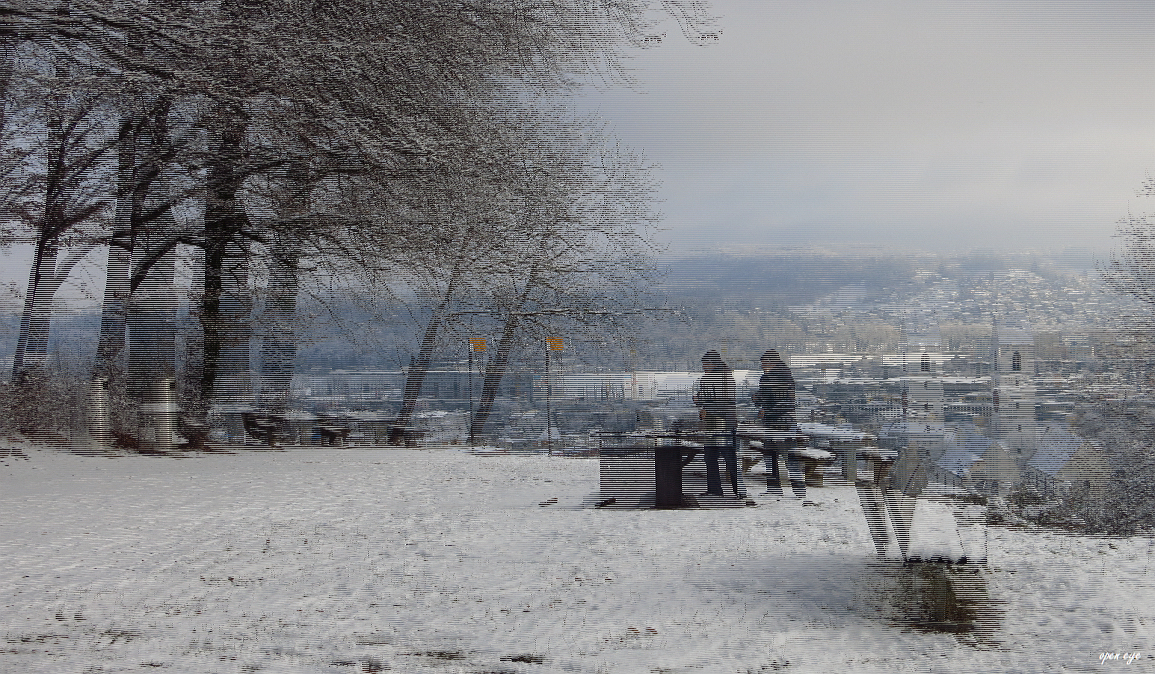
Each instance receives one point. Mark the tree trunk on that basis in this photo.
(415, 377)
(7, 65)
(495, 370)
(279, 347)
(110, 344)
(32, 345)
(151, 314)
(225, 276)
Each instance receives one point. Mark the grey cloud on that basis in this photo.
(889, 120)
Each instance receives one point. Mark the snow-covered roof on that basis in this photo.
(1056, 445)
(958, 461)
(966, 440)
(908, 428)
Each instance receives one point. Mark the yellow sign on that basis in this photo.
(554, 343)
(476, 344)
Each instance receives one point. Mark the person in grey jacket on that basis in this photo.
(719, 422)
(776, 398)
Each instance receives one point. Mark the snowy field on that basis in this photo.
(359, 560)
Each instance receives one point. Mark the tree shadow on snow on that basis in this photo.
(830, 589)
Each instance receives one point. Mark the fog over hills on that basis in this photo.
(740, 303)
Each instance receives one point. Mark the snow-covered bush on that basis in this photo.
(48, 405)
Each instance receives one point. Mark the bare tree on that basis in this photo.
(72, 193)
(1131, 269)
(328, 102)
(585, 267)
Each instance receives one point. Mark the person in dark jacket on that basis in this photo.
(775, 397)
(716, 405)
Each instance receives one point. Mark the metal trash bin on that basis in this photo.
(641, 477)
(668, 476)
(158, 416)
(627, 476)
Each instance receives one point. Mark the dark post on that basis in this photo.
(470, 342)
(548, 395)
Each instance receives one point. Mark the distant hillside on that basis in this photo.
(738, 304)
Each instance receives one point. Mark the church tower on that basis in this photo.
(921, 344)
(923, 348)
(1013, 386)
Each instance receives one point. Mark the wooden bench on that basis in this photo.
(265, 428)
(332, 434)
(812, 460)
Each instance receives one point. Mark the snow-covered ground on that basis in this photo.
(362, 560)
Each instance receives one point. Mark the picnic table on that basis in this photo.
(842, 442)
(332, 434)
(671, 451)
(811, 458)
(622, 464)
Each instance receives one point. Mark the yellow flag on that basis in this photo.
(554, 343)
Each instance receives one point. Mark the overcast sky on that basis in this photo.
(939, 126)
